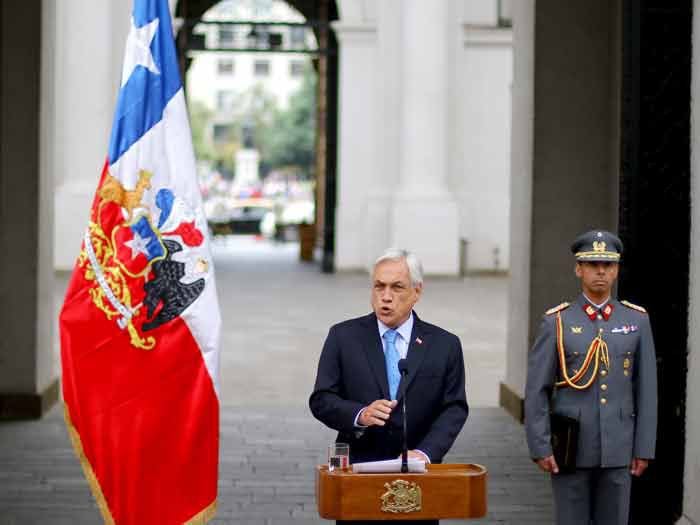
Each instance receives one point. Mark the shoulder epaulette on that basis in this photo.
(557, 308)
(634, 306)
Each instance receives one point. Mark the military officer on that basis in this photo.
(593, 360)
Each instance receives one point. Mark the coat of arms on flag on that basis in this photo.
(140, 321)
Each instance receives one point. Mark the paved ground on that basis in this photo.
(276, 314)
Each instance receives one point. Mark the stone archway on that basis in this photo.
(319, 15)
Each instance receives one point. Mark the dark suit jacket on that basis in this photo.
(352, 374)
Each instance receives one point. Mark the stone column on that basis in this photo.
(691, 482)
(357, 150)
(387, 125)
(484, 101)
(564, 160)
(424, 217)
(247, 168)
(28, 378)
(89, 42)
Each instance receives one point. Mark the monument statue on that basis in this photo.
(248, 132)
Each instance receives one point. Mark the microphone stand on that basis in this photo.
(403, 368)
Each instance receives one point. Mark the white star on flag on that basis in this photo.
(138, 245)
(138, 49)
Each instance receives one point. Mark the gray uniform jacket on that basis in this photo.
(618, 412)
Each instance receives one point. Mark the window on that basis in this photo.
(224, 100)
(225, 66)
(296, 68)
(297, 36)
(222, 132)
(226, 36)
(505, 13)
(261, 68)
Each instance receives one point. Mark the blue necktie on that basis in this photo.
(391, 357)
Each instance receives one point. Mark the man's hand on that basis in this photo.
(639, 466)
(548, 464)
(416, 454)
(376, 413)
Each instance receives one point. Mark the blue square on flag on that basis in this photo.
(137, 245)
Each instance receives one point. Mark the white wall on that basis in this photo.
(521, 194)
(46, 367)
(480, 12)
(358, 160)
(484, 146)
(691, 502)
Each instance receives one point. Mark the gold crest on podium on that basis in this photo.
(401, 497)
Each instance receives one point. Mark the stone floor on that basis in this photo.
(276, 314)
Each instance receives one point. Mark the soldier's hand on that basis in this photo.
(639, 466)
(376, 413)
(548, 464)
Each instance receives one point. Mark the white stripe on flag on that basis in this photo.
(166, 151)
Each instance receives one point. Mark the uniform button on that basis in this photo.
(575, 353)
(599, 317)
(603, 387)
(603, 373)
(603, 400)
(626, 372)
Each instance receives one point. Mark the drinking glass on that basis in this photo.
(338, 456)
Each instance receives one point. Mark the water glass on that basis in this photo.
(338, 456)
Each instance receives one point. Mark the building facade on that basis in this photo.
(218, 79)
(424, 157)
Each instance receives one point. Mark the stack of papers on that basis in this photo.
(389, 465)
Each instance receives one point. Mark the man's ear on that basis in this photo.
(419, 291)
(617, 270)
(577, 269)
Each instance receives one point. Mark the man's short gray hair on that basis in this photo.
(415, 268)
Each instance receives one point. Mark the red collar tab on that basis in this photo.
(607, 311)
(591, 312)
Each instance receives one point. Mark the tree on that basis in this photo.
(200, 116)
(290, 140)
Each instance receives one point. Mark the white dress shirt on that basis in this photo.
(598, 306)
(402, 342)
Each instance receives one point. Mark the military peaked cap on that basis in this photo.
(597, 246)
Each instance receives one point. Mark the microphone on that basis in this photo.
(403, 368)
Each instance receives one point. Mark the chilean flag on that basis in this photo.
(140, 322)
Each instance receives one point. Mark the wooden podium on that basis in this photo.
(456, 491)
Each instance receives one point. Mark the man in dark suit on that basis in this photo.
(357, 388)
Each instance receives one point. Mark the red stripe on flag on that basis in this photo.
(148, 420)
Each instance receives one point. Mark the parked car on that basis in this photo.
(227, 215)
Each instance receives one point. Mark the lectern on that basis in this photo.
(450, 491)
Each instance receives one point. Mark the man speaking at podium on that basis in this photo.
(358, 384)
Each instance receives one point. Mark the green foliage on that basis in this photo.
(225, 156)
(284, 138)
(200, 116)
(290, 140)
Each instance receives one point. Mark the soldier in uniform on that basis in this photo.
(593, 360)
